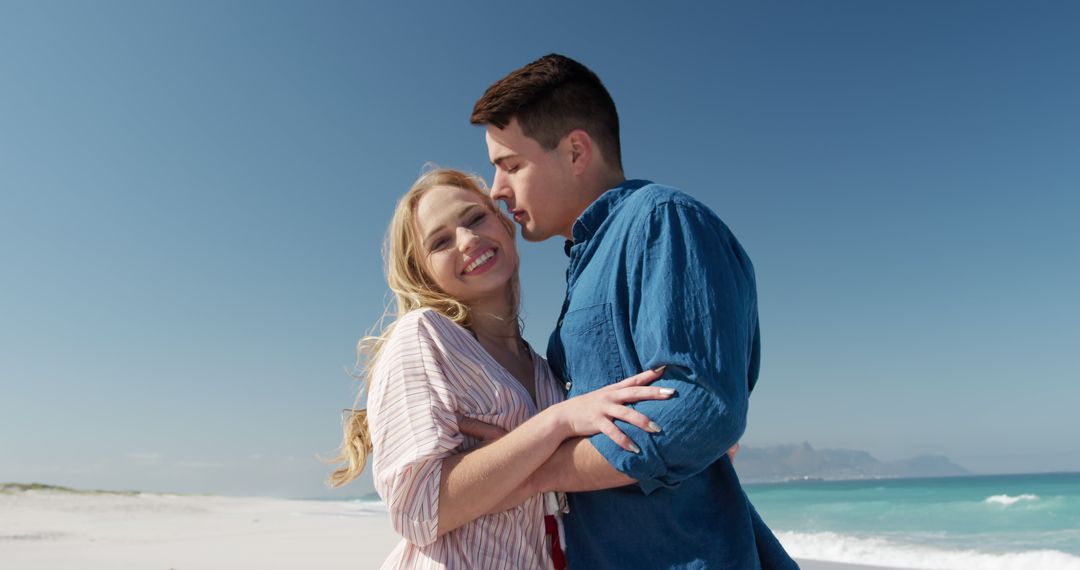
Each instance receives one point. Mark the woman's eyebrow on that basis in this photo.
(461, 214)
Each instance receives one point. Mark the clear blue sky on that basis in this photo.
(193, 197)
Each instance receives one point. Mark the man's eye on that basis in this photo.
(512, 169)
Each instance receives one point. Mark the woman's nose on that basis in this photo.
(466, 239)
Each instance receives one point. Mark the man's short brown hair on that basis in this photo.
(551, 97)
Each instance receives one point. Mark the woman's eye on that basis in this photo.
(439, 244)
(477, 219)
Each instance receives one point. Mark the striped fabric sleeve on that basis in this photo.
(413, 428)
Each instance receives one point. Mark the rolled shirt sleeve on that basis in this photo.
(413, 425)
(692, 306)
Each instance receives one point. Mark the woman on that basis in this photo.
(455, 351)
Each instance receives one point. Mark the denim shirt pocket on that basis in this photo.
(592, 353)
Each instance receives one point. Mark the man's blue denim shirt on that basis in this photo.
(656, 278)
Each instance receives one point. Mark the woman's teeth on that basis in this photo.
(480, 260)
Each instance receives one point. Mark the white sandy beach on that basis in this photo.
(55, 529)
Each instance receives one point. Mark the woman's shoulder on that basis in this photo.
(413, 338)
(424, 323)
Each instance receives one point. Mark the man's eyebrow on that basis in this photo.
(461, 214)
(502, 159)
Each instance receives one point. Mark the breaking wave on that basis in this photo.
(1009, 500)
(835, 547)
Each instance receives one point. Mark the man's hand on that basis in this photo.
(478, 429)
(731, 452)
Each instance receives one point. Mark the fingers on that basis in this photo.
(638, 393)
(634, 417)
(639, 379)
(619, 437)
(479, 429)
(731, 452)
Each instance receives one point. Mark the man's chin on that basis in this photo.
(533, 234)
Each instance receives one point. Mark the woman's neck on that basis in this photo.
(496, 324)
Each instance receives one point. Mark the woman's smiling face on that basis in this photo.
(465, 246)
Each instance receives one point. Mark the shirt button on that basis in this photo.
(560, 323)
(568, 385)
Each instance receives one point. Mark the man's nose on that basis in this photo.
(499, 189)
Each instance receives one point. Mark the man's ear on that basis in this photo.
(579, 147)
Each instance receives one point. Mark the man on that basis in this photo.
(655, 278)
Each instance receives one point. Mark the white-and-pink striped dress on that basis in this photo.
(431, 369)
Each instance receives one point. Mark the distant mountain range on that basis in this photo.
(801, 462)
(10, 488)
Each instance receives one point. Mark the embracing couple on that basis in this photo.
(488, 456)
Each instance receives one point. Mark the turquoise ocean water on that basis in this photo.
(1015, 522)
(996, 522)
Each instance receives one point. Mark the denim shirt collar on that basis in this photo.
(593, 216)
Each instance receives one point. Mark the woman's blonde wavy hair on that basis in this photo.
(413, 288)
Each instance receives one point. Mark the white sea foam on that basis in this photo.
(1009, 500)
(835, 547)
(366, 507)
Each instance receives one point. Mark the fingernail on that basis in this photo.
(635, 448)
(667, 391)
(654, 427)
(659, 369)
